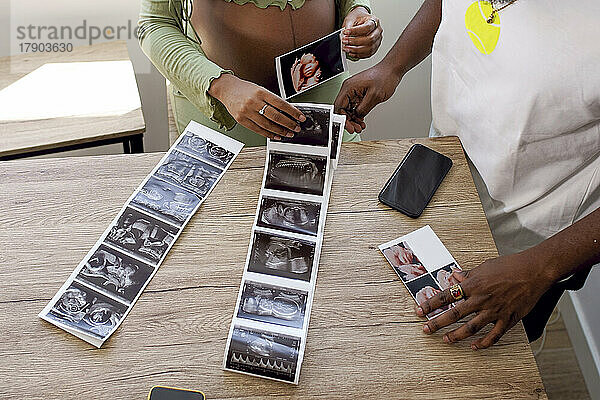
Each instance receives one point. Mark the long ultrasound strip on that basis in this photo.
(269, 327)
(103, 288)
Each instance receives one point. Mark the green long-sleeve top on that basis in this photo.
(170, 42)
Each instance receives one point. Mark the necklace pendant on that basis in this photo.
(491, 18)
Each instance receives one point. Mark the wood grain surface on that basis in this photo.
(26, 136)
(364, 339)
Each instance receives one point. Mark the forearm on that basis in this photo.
(416, 40)
(572, 249)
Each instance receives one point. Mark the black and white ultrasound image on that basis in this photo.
(167, 201)
(205, 150)
(88, 311)
(315, 130)
(281, 256)
(289, 215)
(111, 271)
(263, 353)
(336, 136)
(273, 304)
(189, 173)
(296, 173)
(142, 235)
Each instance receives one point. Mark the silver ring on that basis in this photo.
(262, 110)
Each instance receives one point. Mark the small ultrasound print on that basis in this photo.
(299, 173)
(263, 353)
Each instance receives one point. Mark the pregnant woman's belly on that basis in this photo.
(246, 39)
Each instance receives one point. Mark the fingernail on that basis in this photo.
(346, 31)
(290, 134)
(297, 129)
(426, 329)
(446, 339)
(302, 118)
(474, 347)
(276, 138)
(419, 311)
(345, 41)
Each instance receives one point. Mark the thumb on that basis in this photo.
(342, 101)
(349, 22)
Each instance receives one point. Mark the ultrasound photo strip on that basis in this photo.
(101, 291)
(337, 136)
(272, 313)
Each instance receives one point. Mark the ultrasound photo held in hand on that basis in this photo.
(315, 130)
(310, 65)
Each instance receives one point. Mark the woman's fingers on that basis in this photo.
(468, 329)
(499, 329)
(362, 51)
(284, 106)
(449, 317)
(248, 123)
(271, 126)
(360, 41)
(363, 29)
(274, 115)
(363, 46)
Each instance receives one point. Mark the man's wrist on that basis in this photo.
(391, 69)
(551, 262)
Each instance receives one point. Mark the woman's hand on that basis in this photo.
(362, 92)
(500, 291)
(362, 33)
(244, 100)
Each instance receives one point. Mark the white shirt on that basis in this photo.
(528, 113)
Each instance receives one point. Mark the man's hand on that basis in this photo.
(362, 92)
(362, 34)
(500, 291)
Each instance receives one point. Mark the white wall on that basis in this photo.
(582, 318)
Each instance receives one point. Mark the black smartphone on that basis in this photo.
(169, 393)
(416, 179)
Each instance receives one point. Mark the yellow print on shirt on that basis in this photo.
(483, 35)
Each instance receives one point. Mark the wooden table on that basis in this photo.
(364, 338)
(25, 138)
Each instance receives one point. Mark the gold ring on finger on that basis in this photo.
(456, 292)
